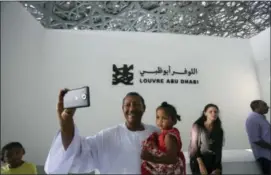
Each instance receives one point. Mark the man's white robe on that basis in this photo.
(114, 150)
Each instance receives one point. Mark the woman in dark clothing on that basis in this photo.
(206, 142)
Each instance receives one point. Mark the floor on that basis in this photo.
(234, 162)
(228, 168)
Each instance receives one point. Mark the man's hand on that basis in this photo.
(154, 145)
(263, 144)
(146, 155)
(63, 114)
(66, 120)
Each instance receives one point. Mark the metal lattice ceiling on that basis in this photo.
(239, 19)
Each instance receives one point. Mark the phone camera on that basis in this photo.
(84, 96)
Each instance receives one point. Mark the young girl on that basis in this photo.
(12, 157)
(161, 153)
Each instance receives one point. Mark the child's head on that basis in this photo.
(12, 153)
(166, 116)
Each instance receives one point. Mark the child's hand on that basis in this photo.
(146, 155)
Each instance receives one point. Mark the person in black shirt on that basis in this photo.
(205, 149)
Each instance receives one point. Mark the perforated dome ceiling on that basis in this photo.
(224, 18)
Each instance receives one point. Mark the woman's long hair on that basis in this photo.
(217, 125)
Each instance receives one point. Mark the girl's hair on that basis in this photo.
(10, 146)
(170, 110)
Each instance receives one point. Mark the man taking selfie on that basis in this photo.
(115, 150)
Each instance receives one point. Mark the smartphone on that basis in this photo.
(77, 98)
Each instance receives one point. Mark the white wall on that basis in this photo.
(226, 76)
(21, 88)
(261, 53)
(72, 59)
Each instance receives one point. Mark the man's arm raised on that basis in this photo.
(70, 153)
